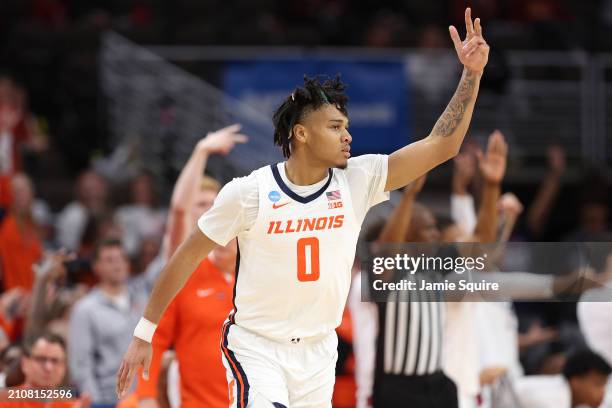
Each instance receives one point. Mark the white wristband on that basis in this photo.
(144, 330)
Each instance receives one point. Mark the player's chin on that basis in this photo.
(342, 162)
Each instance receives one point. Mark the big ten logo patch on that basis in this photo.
(334, 204)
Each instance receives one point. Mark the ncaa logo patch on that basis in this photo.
(274, 196)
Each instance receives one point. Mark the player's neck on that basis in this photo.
(302, 172)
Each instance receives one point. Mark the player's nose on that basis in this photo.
(347, 138)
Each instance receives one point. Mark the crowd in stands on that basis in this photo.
(53, 45)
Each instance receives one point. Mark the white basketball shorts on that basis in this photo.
(262, 373)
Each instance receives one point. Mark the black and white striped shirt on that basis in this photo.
(410, 332)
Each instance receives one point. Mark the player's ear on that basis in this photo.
(299, 133)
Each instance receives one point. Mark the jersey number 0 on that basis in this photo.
(308, 259)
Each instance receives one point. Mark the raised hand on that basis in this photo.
(416, 186)
(493, 164)
(510, 206)
(556, 159)
(222, 141)
(473, 52)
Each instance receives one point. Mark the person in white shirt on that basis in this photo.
(594, 311)
(140, 218)
(92, 201)
(582, 384)
(297, 225)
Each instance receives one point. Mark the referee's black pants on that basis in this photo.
(415, 391)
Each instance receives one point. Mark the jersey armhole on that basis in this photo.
(343, 181)
(248, 231)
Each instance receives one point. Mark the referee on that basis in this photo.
(408, 367)
(409, 353)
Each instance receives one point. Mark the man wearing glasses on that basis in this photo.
(44, 368)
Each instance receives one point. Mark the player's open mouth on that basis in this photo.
(346, 151)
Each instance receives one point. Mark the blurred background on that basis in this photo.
(102, 103)
(83, 73)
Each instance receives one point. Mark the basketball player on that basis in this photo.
(297, 225)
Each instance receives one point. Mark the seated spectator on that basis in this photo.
(91, 203)
(193, 320)
(44, 362)
(10, 366)
(582, 384)
(102, 324)
(44, 367)
(20, 245)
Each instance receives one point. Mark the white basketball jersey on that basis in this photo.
(294, 267)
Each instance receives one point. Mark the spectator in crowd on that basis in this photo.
(18, 130)
(548, 192)
(44, 367)
(594, 311)
(102, 323)
(193, 321)
(20, 245)
(150, 247)
(13, 310)
(44, 362)
(141, 217)
(91, 206)
(582, 384)
(10, 360)
(594, 219)
(53, 296)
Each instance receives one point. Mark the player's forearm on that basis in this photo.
(486, 226)
(176, 272)
(451, 128)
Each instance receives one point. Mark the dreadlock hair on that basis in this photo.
(302, 101)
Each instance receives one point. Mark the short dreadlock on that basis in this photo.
(304, 100)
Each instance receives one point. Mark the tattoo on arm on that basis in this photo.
(453, 114)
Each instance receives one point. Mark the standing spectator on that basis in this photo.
(193, 321)
(594, 311)
(544, 201)
(51, 299)
(18, 130)
(91, 203)
(140, 218)
(102, 323)
(20, 245)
